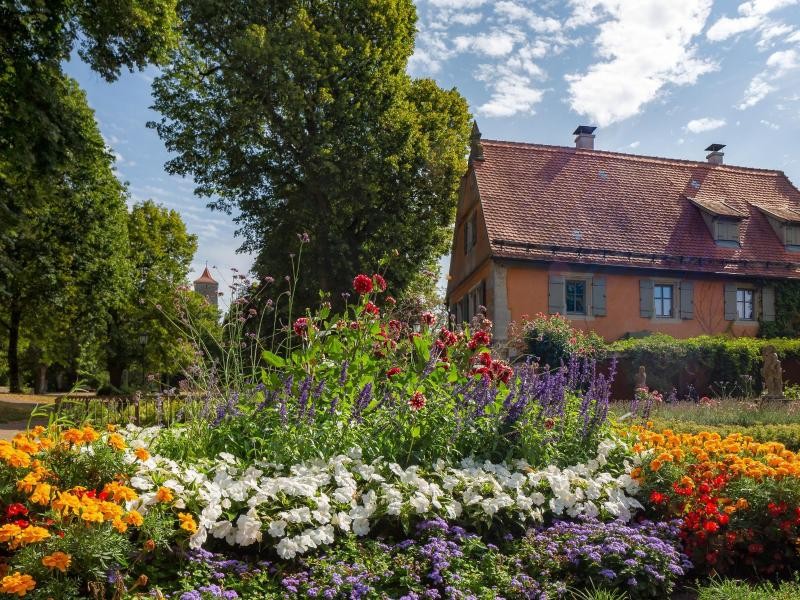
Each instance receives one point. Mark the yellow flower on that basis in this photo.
(33, 534)
(57, 560)
(9, 531)
(119, 492)
(90, 435)
(41, 495)
(187, 522)
(134, 518)
(28, 483)
(119, 525)
(111, 427)
(164, 494)
(655, 465)
(66, 503)
(17, 583)
(92, 515)
(142, 454)
(116, 441)
(72, 436)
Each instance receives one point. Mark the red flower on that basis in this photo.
(362, 284)
(393, 371)
(755, 548)
(301, 327)
(370, 308)
(448, 337)
(485, 359)
(711, 526)
(549, 424)
(391, 300)
(380, 282)
(479, 338)
(417, 401)
(723, 519)
(21, 523)
(657, 497)
(427, 318)
(16, 509)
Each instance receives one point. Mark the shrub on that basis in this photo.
(727, 366)
(783, 433)
(552, 341)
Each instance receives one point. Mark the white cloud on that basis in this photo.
(770, 31)
(467, 19)
(777, 65)
(512, 93)
(516, 12)
(770, 124)
(634, 144)
(645, 47)
(726, 27)
(457, 3)
(704, 124)
(494, 44)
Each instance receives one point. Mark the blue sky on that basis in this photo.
(658, 77)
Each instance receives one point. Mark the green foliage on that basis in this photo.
(551, 340)
(730, 361)
(787, 311)
(730, 589)
(303, 117)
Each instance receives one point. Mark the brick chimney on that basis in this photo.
(584, 137)
(715, 154)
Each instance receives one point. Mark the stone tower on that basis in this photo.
(207, 286)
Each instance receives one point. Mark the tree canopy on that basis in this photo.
(301, 115)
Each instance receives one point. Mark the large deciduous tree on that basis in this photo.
(157, 303)
(301, 115)
(64, 260)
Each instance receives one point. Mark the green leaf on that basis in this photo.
(273, 359)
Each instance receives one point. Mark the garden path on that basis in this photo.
(9, 430)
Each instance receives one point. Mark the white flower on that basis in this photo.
(277, 528)
(360, 526)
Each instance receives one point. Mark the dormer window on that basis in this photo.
(723, 221)
(786, 224)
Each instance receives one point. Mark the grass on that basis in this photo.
(737, 590)
(741, 412)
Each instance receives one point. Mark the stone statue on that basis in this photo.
(640, 379)
(772, 373)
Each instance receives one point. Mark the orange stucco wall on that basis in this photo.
(527, 288)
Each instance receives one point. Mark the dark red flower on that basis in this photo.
(362, 284)
(21, 523)
(301, 327)
(485, 359)
(723, 519)
(417, 401)
(549, 424)
(16, 509)
(380, 282)
(479, 339)
(371, 308)
(427, 318)
(657, 497)
(393, 371)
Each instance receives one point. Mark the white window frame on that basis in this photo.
(743, 304)
(586, 283)
(673, 305)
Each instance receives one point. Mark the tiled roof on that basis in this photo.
(205, 277)
(562, 204)
(782, 213)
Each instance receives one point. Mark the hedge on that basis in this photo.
(786, 434)
(702, 362)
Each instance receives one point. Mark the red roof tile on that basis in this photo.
(205, 277)
(563, 204)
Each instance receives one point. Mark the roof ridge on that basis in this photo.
(636, 157)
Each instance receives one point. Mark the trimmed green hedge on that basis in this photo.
(706, 360)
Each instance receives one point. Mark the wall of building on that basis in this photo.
(527, 292)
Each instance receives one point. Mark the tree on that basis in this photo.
(301, 115)
(38, 135)
(64, 260)
(158, 303)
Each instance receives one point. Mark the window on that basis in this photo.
(662, 297)
(575, 291)
(471, 232)
(792, 236)
(744, 304)
(727, 230)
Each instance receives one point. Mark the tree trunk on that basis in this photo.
(41, 380)
(15, 317)
(115, 371)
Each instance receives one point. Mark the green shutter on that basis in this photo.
(555, 295)
(646, 298)
(687, 300)
(599, 296)
(730, 302)
(768, 304)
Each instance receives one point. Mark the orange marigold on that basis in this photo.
(17, 583)
(57, 560)
(164, 494)
(187, 522)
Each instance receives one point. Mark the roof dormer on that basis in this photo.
(723, 221)
(786, 223)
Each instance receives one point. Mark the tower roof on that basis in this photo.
(205, 277)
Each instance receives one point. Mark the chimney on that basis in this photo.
(584, 137)
(715, 154)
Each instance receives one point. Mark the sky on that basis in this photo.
(657, 77)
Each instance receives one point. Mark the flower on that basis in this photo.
(187, 522)
(164, 494)
(116, 441)
(57, 560)
(301, 327)
(417, 401)
(427, 318)
(393, 371)
(17, 583)
(142, 454)
(380, 282)
(371, 309)
(362, 284)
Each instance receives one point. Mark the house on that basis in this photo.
(621, 244)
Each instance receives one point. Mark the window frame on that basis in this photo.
(656, 300)
(740, 314)
(585, 283)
